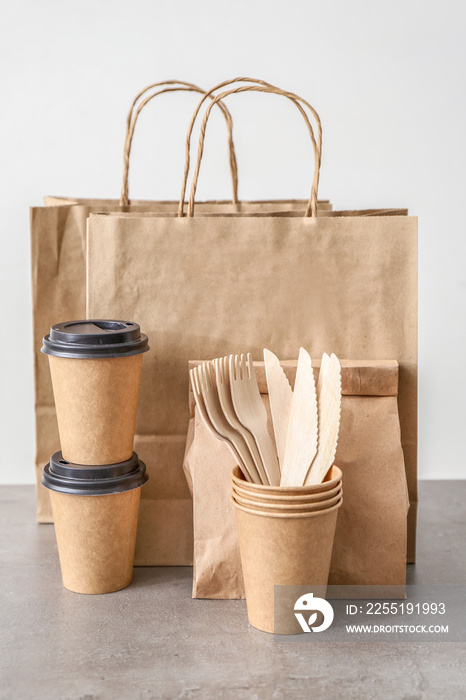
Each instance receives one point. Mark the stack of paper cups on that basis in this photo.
(95, 480)
(285, 538)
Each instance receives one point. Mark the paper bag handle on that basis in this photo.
(266, 87)
(311, 210)
(131, 120)
(257, 81)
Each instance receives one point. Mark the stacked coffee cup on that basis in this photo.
(95, 480)
(285, 538)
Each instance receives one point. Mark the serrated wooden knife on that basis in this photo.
(280, 397)
(329, 405)
(301, 439)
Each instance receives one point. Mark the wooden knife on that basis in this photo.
(280, 397)
(301, 439)
(329, 405)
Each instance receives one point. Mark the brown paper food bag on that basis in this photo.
(370, 540)
(58, 261)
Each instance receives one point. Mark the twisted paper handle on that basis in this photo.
(259, 86)
(133, 117)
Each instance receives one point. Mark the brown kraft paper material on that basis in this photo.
(210, 286)
(96, 403)
(58, 262)
(302, 494)
(370, 539)
(307, 500)
(282, 550)
(288, 507)
(96, 537)
(58, 265)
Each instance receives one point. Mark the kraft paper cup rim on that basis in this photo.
(265, 488)
(310, 514)
(289, 507)
(310, 498)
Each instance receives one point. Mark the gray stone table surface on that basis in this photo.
(153, 641)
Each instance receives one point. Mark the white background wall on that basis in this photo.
(388, 80)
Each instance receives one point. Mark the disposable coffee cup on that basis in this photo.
(283, 549)
(331, 480)
(287, 507)
(96, 370)
(266, 499)
(95, 511)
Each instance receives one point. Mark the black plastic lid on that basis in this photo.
(65, 477)
(95, 338)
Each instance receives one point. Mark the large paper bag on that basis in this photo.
(225, 283)
(58, 259)
(213, 285)
(370, 540)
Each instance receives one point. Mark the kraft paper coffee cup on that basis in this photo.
(265, 499)
(95, 512)
(332, 479)
(282, 549)
(287, 507)
(96, 369)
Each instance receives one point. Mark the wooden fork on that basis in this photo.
(226, 403)
(198, 397)
(220, 423)
(251, 412)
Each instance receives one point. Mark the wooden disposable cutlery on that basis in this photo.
(280, 397)
(301, 439)
(251, 412)
(222, 376)
(329, 406)
(211, 413)
(306, 421)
